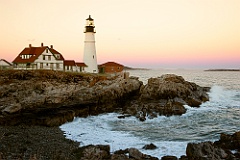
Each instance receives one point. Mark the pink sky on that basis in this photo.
(137, 33)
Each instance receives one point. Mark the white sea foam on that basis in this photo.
(96, 130)
(169, 134)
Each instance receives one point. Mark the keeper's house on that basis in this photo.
(5, 64)
(39, 58)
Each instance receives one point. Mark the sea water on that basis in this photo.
(169, 134)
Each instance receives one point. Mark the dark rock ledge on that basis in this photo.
(52, 98)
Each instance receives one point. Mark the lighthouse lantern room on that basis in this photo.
(90, 58)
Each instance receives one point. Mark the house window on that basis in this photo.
(67, 67)
(47, 64)
(57, 66)
(46, 50)
(28, 65)
(51, 65)
(44, 57)
(93, 56)
(49, 58)
(41, 65)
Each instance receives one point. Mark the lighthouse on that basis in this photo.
(89, 57)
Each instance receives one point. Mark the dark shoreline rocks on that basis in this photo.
(39, 142)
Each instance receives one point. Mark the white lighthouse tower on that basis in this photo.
(89, 57)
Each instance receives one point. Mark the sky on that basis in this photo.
(135, 33)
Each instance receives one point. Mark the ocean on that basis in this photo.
(170, 134)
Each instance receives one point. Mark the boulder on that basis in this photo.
(92, 152)
(170, 87)
(205, 150)
(230, 142)
(149, 146)
(137, 155)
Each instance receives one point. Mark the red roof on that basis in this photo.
(35, 52)
(56, 52)
(110, 64)
(80, 64)
(69, 63)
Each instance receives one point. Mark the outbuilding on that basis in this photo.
(5, 64)
(110, 67)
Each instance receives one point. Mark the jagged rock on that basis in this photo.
(125, 151)
(137, 155)
(149, 146)
(134, 153)
(230, 142)
(92, 152)
(205, 150)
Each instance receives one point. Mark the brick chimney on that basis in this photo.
(30, 45)
(41, 44)
(51, 46)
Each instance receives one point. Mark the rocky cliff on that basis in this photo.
(52, 98)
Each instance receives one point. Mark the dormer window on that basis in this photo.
(46, 50)
(57, 56)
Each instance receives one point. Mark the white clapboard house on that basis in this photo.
(39, 58)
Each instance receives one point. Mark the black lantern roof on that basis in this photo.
(89, 18)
